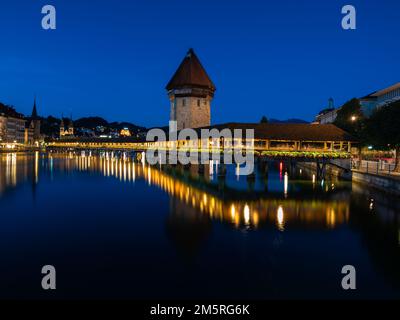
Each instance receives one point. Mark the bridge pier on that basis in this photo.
(321, 169)
(263, 171)
(292, 167)
(201, 169)
(221, 170)
(262, 167)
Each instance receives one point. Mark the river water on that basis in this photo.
(115, 228)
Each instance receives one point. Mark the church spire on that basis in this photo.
(34, 115)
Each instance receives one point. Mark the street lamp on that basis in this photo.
(353, 118)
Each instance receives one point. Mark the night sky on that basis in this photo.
(282, 59)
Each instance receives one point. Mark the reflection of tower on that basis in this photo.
(190, 91)
(187, 227)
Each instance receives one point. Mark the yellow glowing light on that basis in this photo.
(280, 218)
(331, 218)
(255, 218)
(286, 182)
(246, 214)
(125, 132)
(233, 212)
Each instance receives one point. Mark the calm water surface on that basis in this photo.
(114, 228)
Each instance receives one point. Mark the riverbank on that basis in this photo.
(387, 183)
(331, 170)
(20, 150)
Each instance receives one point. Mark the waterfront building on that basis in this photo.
(368, 103)
(125, 132)
(66, 128)
(32, 129)
(12, 125)
(327, 115)
(190, 92)
(380, 98)
(13, 130)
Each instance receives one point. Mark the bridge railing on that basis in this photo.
(375, 167)
(259, 145)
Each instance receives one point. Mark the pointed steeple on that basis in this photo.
(190, 74)
(34, 114)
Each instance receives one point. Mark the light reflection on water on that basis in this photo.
(283, 201)
(236, 207)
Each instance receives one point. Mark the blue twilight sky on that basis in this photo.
(282, 59)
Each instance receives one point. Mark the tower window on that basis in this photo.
(183, 102)
(198, 102)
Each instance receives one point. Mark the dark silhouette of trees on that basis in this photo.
(383, 129)
(351, 119)
(9, 111)
(264, 119)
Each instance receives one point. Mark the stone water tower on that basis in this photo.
(190, 91)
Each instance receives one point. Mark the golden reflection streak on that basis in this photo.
(255, 212)
(280, 218)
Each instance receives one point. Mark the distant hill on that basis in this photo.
(94, 122)
(287, 121)
(51, 126)
(90, 122)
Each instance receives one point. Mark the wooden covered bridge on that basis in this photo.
(270, 140)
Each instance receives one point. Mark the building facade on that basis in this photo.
(368, 103)
(380, 98)
(66, 128)
(327, 115)
(32, 129)
(12, 129)
(190, 92)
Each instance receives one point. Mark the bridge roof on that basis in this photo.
(267, 131)
(291, 131)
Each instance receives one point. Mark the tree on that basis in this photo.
(382, 129)
(264, 119)
(351, 119)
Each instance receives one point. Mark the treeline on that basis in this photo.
(381, 130)
(9, 111)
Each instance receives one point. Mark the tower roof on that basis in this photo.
(190, 73)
